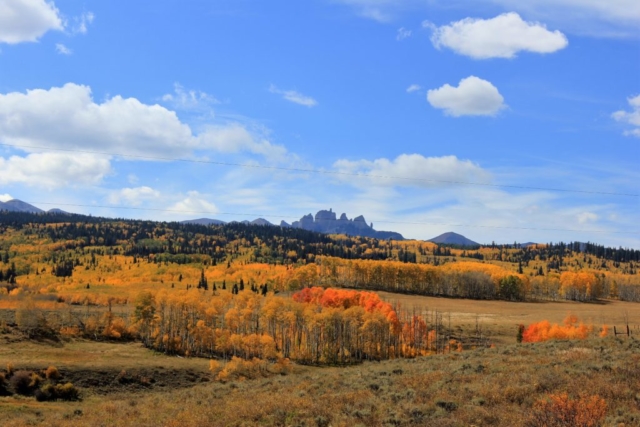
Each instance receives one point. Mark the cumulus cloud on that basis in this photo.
(591, 17)
(294, 96)
(414, 170)
(413, 88)
(500, 37)
(630, 117)
(67, 117)
(194, 203)
(5, 197)
(472, 97)
(62, 49)
(134, 196)
(27, 20)
(51, 170)
(599, 18)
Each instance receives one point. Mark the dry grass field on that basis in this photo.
(499, 319)
(502, 386)
(124, 384)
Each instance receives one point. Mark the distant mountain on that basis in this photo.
(57, 211)
(260, 221)
(327, 222)
(16, 205)
(451, 238)
(203, 221)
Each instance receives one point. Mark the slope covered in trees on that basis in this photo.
(82, 259)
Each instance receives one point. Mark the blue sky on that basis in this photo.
(425, 116)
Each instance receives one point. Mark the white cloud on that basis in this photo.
(500, 37)
(597, 18)
(193, 203)
(190, 100)
(591, 17)
(82, 22)
(413, 170)
(51, 170)
(27, 20)
(472, 97)
(231, 138)
(62, 49)
(403, 33)
(630, 117)
(294, 96)
(133, 196)
(67, 117)
(413, 88)
(5, 197)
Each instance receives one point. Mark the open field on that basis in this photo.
(123, 383)
(499, 319)
(486, 387)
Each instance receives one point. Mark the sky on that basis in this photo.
(501, 120)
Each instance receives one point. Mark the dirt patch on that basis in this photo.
(108, 381)
(102, 368)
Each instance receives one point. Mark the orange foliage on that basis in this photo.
(544, 331)
(604, 332)
(560, 410)
(340, 298)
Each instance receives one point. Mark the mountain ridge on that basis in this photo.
(451, 238)
(327, 222)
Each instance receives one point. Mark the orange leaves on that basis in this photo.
(340, 298)
(544, 331)
(560, 410)
(604, 332)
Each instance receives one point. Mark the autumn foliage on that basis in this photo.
(543, 331)
(315, 326)
(559, 410)
(340, 298)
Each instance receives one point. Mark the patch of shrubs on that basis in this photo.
(29, 383)
(25, 382)
(57, 392)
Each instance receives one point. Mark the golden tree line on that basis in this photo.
(465, 279)
(314, 326)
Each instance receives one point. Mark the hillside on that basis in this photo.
(245, 304)
(77, 248)
(454, 239)
(18, 206)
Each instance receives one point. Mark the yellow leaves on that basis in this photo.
(579, 286)
(214, 366)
